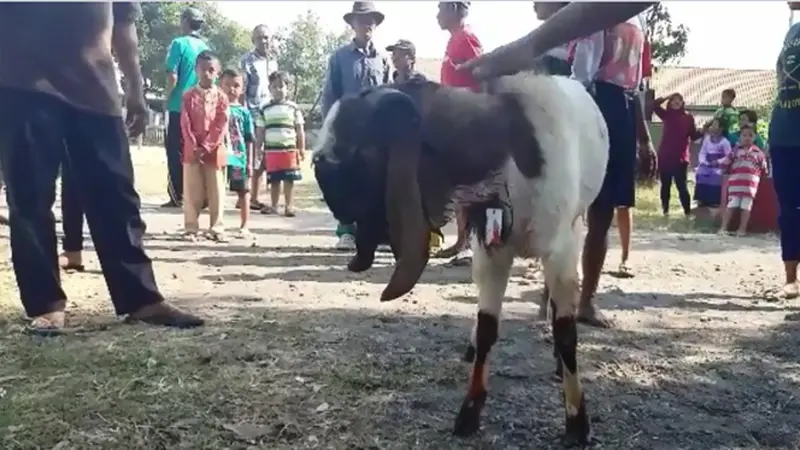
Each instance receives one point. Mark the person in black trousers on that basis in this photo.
(61, 105)
(71, 220)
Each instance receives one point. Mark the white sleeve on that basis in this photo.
(588, 54)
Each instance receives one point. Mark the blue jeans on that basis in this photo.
(785, 161)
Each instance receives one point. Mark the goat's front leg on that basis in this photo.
(561, 277)
(490, 272)
(367, 240)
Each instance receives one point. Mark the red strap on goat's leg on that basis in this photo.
(468, 420)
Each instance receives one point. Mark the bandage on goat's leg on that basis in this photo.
(490, 274)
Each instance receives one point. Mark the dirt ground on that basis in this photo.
(299, 353)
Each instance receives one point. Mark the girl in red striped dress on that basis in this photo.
(744, 167)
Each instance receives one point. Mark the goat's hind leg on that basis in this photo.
(561, 276)
(490, 272)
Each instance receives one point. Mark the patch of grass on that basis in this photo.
(647, 214)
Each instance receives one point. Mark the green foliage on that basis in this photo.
(302, 49)
(159, 24)
(667, 40)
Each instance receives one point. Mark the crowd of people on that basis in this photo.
(731, 153)
(229, 127)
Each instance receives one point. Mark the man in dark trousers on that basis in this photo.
(65, 104)
(181, 76)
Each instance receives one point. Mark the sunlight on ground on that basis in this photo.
(307, 363)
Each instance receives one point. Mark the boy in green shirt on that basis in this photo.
(240, 139)
(727, 112)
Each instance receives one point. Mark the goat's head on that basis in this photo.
(369, 166)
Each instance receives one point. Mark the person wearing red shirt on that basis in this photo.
(462, 47)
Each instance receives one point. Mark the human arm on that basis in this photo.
(299, 128)
(189, 139)
(387, 71)
(249, 138)
(658, 107)
(586, 62)
(125, 43)
(245, 79)
(216, 131)
(573, 21)
(694, 133)
(172, 64)
(260, 130)
(331, 91)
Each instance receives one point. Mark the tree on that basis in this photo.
(302, 49)
(159, 24)
(667, 40)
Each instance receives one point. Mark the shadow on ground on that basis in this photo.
(348, 379)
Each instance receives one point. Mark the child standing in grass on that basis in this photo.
(279, 128)
(240, 145)
(204, 124)
(744, 166)
(708, 176)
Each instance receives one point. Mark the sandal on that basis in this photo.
(45, 326)
(268, 210)
(257, 206)
(623, 271)
(289, 212)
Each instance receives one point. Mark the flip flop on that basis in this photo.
(41, 326)
(268, 210)
(623, 271)
(459, 261)
(289, 213)
(71, 268)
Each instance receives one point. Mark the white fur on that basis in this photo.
(573, 138)
(326, 138)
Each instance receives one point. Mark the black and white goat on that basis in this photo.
(390, 158)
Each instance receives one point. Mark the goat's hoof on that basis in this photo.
(358, 264)
(468, 421)
(469, 355)
(558, 375)
(578, 428)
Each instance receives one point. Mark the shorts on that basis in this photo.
(619, 184)
(237, 180)
(743, 203)
(707, 195)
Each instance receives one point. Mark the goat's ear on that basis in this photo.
(396, 127)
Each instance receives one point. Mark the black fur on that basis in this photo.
(465, 136)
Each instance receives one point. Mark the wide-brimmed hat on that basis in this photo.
(364, 9)
(403, 44)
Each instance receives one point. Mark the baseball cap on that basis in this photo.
(403, 44)
(192, 14)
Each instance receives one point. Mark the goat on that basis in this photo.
(389, 159)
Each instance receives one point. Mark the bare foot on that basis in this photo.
(741, 233)
(71, 262)
(589, 315)
(165, 315)
(790, 291)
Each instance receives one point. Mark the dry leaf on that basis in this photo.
(247, 432)
(323, 407)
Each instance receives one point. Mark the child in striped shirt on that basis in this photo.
(279, 128)
(744, 167)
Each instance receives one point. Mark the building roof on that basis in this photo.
(699, 86)
(703, 87)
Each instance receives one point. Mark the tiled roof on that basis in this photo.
(703, 87)
(699, 86)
